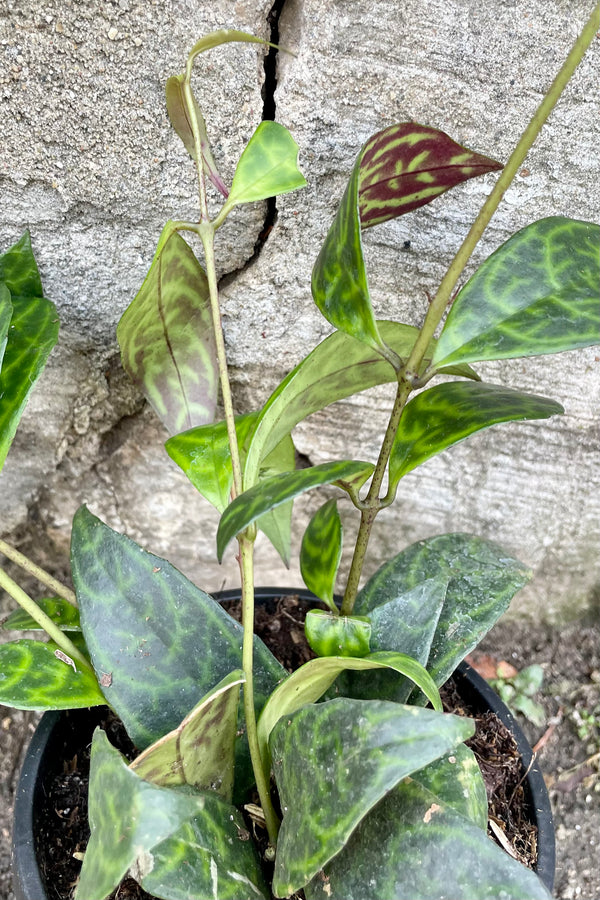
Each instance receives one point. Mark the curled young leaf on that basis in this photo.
(330, 634)
(181, 121)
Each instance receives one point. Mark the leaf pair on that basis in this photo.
(28, 332)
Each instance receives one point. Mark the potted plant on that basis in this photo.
(361, 789)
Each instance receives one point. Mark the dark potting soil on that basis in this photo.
(64, 830)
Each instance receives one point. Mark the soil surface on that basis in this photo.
(568, 745)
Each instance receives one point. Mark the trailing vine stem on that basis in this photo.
(43, 620)
(408, 376)
(205, 229)
(42, 576)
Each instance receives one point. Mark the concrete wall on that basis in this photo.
(90, 166)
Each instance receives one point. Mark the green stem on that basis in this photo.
(448, 284)
(262, 780)
(42, 576)
(44, 621)
(372, 503)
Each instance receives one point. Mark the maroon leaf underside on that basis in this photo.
(408, 165)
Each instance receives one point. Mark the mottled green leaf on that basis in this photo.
(135, 825)
(338, 367)
(456, 779)
(407, 624)
(277, 523)
(32, 676)
(334, 761)
(448, 413)
(203, 454)
(6, 311)
(330, 634)
(60, 611)
(408, 165)
(482, 579)
(32, 333)
(308, 684)
(167, 338)
(200, 751)
(160, 641)
(278, 489)
(538, 293)
(456, 859)
(340, 286)
(180, 120)
(321, 552)
(267, 167)
(208, 857)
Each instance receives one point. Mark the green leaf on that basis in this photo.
(272, 492)
(180, 120)
(338, 367)
(203, 454)
(408, 165)
(161, 641)
(6, 311)
(456, 859)
(335, 635)
(482, 579)
(208, 857)
(321, 552)
(60, 611)
(357, 752)
(135, 825)
(448, 413)
(167, 339)
(308, 684)
(33, 677)
(200, 751)
(19, 271)
(267, 167)
(277, 523)
(32, 333)
(456, 779)
(538, 293)
(340, 287)
(407, 624)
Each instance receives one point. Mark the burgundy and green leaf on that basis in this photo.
(167, 339)
(408, 165)
(180, 120)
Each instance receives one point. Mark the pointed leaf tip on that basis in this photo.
(408, 165)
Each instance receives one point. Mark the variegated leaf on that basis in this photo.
(538, 293)
(200, 751)
(334, 761)
(278, 489)
(37, 675)
(167, 339)
(408, 165)
(329, 634)
(448, 413)
(321, 552)
(267, 167)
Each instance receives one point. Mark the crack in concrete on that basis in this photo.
(269, 110)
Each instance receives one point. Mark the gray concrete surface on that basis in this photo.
(90, 166)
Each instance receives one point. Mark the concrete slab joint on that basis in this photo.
(93, 169)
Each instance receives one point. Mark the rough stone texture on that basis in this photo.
(90, 165)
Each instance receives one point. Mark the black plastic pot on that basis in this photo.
(58, 731)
